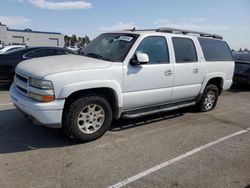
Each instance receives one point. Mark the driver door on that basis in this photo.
(150, 84)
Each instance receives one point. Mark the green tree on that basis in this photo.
(73, 40)
(66, 40)
(83, 41)
(79, 41)
(87, 40)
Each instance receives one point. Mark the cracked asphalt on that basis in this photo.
(36, 156)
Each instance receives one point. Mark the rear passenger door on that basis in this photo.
(188, 71)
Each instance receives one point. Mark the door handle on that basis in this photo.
(196, 71)
(168, 73)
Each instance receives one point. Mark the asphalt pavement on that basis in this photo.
(176, 149)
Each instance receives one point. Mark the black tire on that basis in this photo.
(203, 104)
(71, 115)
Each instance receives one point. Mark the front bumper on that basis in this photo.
(48, 114)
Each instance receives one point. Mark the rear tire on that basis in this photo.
(209, 98)
(87, 118)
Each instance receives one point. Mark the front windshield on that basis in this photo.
(110, 47)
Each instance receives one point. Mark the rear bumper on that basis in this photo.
(227, 84)
(48, 114)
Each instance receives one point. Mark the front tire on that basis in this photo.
(209, 98)
(87, 118)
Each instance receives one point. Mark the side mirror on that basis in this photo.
(139, 58)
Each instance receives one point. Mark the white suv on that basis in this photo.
(129, 74)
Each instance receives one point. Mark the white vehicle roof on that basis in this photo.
(8, 48)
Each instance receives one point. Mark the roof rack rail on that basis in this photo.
(185, 32)
(134, 29)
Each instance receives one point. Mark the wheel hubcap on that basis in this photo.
(91, 118)
(210, 100)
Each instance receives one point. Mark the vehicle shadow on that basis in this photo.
(18, 134)
(4, 87)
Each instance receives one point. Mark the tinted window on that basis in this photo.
(215, 50)
(156, 48)
(40, 53)
(29, 54)
(242, 57)
(184, 50)
(44, 52)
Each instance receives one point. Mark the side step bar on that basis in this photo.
(166, 109)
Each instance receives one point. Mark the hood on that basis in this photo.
(40, 67)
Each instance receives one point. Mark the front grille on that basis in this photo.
(22, 78)
(22, 90)
(21, 83)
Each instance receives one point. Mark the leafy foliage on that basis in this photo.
(76, 41)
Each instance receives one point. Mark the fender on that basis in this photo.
(79, 86)
(211, 76)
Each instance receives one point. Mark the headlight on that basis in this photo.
(41, 84)
(41, 98)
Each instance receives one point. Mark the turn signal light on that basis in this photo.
(47, 98)
(42, 98)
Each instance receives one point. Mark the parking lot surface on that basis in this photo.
(176, 149)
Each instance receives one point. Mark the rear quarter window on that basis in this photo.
(215, 50)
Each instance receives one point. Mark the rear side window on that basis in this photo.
(184, 49)
(215, 50)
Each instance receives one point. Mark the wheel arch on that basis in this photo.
(109, 93)
(216, 79)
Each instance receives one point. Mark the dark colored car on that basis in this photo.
(9, 60)
(242, 68)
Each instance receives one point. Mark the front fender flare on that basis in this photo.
(67, 90)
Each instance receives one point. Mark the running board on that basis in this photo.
(131, 115)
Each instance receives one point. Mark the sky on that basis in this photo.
(229, 18)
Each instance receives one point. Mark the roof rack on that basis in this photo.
(178, 31)
(134, 29)
(185, 32)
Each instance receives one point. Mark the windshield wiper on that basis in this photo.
(97, 56)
